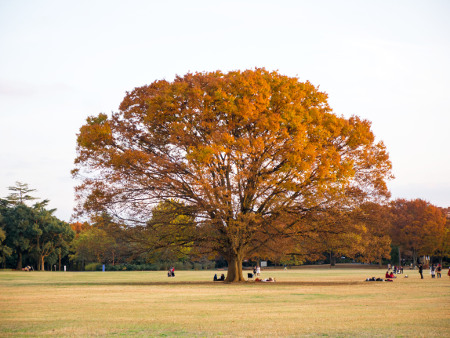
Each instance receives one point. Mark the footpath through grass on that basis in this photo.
(313, 302)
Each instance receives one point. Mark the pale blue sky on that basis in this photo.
(61, 61)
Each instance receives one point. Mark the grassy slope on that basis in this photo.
(302, 302)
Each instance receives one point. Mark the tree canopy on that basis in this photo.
(31, 230)
(419, 226)
(20, 193)
(247, 154)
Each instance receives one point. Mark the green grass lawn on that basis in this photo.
(303, 302)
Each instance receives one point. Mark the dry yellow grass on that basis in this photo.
(306, 302)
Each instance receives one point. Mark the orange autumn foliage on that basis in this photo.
(248, 154)
(418, 226)
(79, 227)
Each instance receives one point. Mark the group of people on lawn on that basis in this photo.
(395, 269)
(222, 278)
(435, 271)
(256, 272)
(171, 272)
(390, 274)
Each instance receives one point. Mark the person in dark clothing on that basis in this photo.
(421, 271)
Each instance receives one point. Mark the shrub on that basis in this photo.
(93, 267)
(198, 266)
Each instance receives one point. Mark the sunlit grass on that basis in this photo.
(314, 302)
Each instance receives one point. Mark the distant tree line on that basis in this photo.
(398, 232)
(31, 234)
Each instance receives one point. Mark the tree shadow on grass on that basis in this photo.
(208, 283)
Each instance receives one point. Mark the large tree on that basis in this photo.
(375, 222)
(5, 251)
(418, 226)
(32, 230)
(247, 154)
(443, 242)
(93, 245)
(102, 241)
(18, 224)
(17, 219)
(52, 236)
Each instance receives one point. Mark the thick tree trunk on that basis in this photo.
(42, 263)
(332, 259)
(399, 257)
(414, 257)
(235, 270)
(59, 261)
(380, 262)
(19, 260)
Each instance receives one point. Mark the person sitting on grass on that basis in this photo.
(171, 272)
(270, 279)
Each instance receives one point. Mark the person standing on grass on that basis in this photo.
(432, 270)
(258, 270)
(421, 271)
(438, 271)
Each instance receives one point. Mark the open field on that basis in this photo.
(304, 302)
